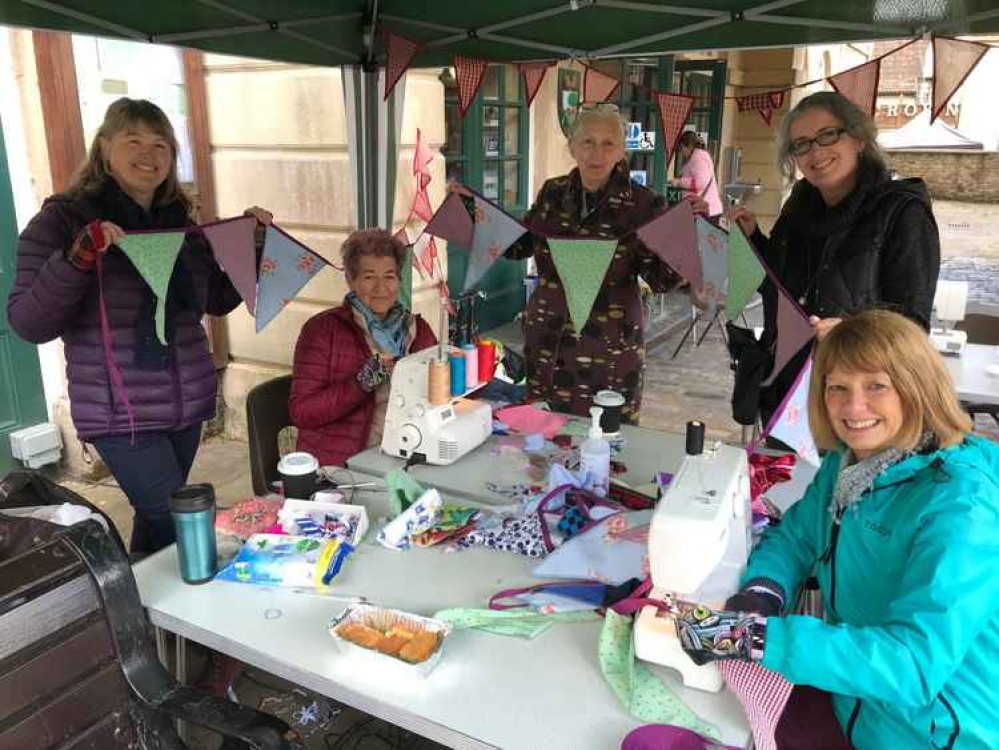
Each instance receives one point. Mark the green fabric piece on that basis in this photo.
(516, 623)
(640, 691)
(581, 265)
(575, 427)
(403, 490)
(154, 256)
(745, 273)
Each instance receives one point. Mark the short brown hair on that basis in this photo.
(121, 114)
(884, 341)
(691, 140)
(375, 242)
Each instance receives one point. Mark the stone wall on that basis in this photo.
(953, 175)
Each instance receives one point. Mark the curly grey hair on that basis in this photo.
(857, 123)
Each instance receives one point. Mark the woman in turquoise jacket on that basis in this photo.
(901, 529)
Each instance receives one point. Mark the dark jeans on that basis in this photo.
(148, 471)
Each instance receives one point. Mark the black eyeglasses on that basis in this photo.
(825, 137)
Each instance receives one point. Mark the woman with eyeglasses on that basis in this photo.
(849, 237)
(566, 366)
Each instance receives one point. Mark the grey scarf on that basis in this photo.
(855, 479)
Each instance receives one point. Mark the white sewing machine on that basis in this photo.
(699, 542)
(950, 304)
(442, 434)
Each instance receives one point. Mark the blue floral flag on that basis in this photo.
(712, 244)
(286, 266)
(494, 231)
(790, 423)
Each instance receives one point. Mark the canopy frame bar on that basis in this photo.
(958, 22)
(87, 18)
(824, 24)
(185, 36)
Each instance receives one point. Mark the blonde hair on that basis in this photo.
(884, 341)
(123, 113)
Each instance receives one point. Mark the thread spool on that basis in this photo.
(487, 360)
(439, 390)
(471, 354)
(457, 373)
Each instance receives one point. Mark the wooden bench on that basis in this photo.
(77, 666)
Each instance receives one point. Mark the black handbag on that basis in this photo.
(751, 362)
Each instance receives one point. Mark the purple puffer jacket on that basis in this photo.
(169, 387)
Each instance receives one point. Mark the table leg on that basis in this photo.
(180, 672)
(162, 652)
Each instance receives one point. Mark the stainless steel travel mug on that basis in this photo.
(193, 510)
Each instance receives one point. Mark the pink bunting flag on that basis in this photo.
(673, 237)
(402, 236)
(597, 86)
(423, 157)
(399, 53)
(425, 250)
(673, 112)
(789, 424)
(793, 332)
(953, 61)
(469, 72)
(534, 74)
(859, 84)
(234, 248)
(421, 205)
(452, 222)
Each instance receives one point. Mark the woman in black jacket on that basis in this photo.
(849, 237)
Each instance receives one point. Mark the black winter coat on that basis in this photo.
(879, 247)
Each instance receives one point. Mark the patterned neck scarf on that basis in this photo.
(389, 333)
(856, 478)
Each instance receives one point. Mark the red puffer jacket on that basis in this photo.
(327, 404)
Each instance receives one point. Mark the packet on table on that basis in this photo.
(284, 560)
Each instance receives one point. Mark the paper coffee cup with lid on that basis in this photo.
(299, 474)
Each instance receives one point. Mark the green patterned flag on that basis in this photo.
(745, 272)
(154, 256)
(582, 265)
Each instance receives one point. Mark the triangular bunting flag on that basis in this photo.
(673, 237)
(285, 268)
(673, 112)
(793, 332)
(234, 248)
(790, 422)
(493, 233)
(421, 205)
(452, 222)
(422, 158)
(581, 265)
(953, 61)
(425, 250)
(154, 256)
(469, 72)
(745, 272)
(399, 53)
(712, 246)
(859, 84)
(597, 86)
(764, 104)
(402, 236)
(534, 74)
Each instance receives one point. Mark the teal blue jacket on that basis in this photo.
(910, 645)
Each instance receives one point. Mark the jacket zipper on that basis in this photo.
(853, 720)
(957, 724)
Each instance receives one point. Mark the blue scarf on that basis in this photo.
(389, 334)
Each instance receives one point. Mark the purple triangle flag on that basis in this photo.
(673, 237)
(793, 332)
(493, 233)
(790, 422)
(452, 222)
(233, 245)
(286, 266)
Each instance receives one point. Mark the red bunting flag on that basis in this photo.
(428, 256)
(399, 53)
(764, 104)
(859, 84)
(597, 86)
(673, 112)
(953, 61)
(534, 74)
(469, 71)
(422, 158)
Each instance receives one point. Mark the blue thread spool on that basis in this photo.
(457, 374)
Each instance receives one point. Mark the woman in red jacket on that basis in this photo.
(345, 355)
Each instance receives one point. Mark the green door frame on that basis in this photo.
(503, 282)
(715, 109)
(22, 397)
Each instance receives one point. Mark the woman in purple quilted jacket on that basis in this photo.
(146, 425)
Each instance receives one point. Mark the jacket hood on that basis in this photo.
(973, 454)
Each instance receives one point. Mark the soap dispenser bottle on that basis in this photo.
(594, 456)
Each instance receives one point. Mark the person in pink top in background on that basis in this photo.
(698, 172)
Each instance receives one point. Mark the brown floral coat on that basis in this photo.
(564, 368)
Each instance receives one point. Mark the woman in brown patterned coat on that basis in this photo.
(596, 199)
